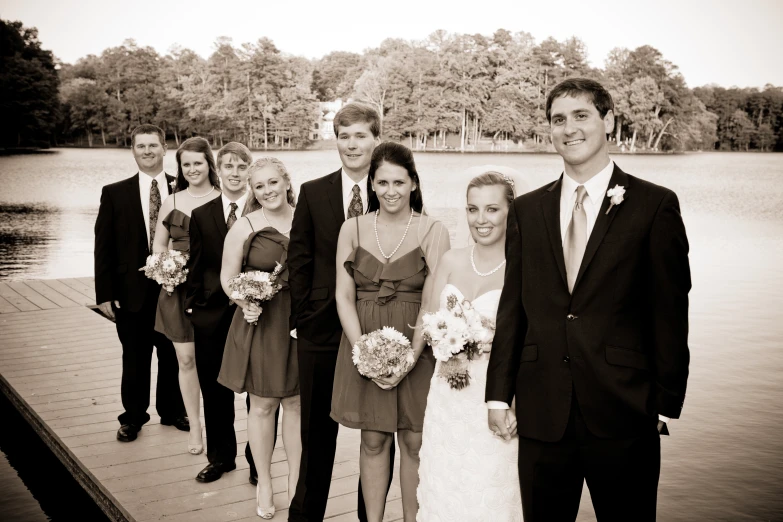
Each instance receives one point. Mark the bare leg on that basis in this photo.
(374, 471)
(189, 386)
(292, 440)
(261, 435)
(410, 444)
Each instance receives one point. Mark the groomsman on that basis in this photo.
(323, 205)
(211, 311)
(124, 231)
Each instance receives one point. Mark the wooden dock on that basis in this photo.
(60, 365)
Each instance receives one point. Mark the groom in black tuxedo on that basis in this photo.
(124, 231)
(592, 325)
(323, 205)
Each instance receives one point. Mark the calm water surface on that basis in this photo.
(724, 460)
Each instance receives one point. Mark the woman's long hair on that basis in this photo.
(252, 203)
(400, 155)
(196, 144)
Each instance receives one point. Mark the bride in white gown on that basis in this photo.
(465, 472)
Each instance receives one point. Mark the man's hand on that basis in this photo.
(107, 310)
(500, 423)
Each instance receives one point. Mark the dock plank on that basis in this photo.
(86, 290)
(53, 295)
(31, 295)
(62, 363)
(17, 300)
(70, 293)
(6, 307)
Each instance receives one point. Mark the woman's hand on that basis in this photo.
(388, 383)
(251, 312)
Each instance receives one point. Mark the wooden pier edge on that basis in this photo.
(105, 500)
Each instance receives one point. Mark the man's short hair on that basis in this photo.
(236, 149)
(574, 87)
(148, 129)
(355, 112)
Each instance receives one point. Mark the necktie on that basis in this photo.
(355, 206)
(576, 238)
(154, 208)
(232, 215)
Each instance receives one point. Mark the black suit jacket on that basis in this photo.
(121, 246)
(312, 250)
(205, 295)
(620, 341)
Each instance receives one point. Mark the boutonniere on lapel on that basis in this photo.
(173, 184)
(615, 196)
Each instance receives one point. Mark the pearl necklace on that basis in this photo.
(377, 239)
(270, 224)
(199, 197)
(483, 274)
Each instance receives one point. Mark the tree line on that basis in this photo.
(452, 90)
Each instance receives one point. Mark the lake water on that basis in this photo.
(724, 460)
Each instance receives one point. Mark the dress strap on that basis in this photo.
(251, 224)
(357, 232)
(174, 199)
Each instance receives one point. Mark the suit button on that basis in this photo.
(571, 317)
(566, 359)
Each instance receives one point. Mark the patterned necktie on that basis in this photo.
(355, 206)
(576, 238)
(232, 215)
(154, 208)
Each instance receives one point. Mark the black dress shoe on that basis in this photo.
(181, 423)
(254, 479)
(214, 471)
(128, 432)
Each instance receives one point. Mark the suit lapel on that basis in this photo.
(336, 196)
(137, 213)
(602, 223)
(550, 206)
(217, 214)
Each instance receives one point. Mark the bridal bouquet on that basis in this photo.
(166, 268)
(255, 286)
(457, 334)
(383, 353)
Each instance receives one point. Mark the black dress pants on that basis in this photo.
(218, 400)
(137, 334)
(622, 474)
(319, 435)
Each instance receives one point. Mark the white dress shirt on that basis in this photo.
(227, 205)
(596, 188)
(348, 184)
(145, 184)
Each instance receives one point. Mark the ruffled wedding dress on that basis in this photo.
(465, 472)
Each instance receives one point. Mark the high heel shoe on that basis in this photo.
(265, 513)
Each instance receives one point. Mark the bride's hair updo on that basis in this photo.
(494, 178)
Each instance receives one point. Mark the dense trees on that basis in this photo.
(28, 88)
(461, 91)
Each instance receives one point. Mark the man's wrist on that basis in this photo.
(497, 405)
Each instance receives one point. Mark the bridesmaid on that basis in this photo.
(197, 183)
(388, 255)
(262, 360)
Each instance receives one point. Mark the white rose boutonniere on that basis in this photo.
(173, 184)
(616, 196)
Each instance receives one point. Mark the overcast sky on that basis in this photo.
(729, 43)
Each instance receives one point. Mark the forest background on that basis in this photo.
(460, 89)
